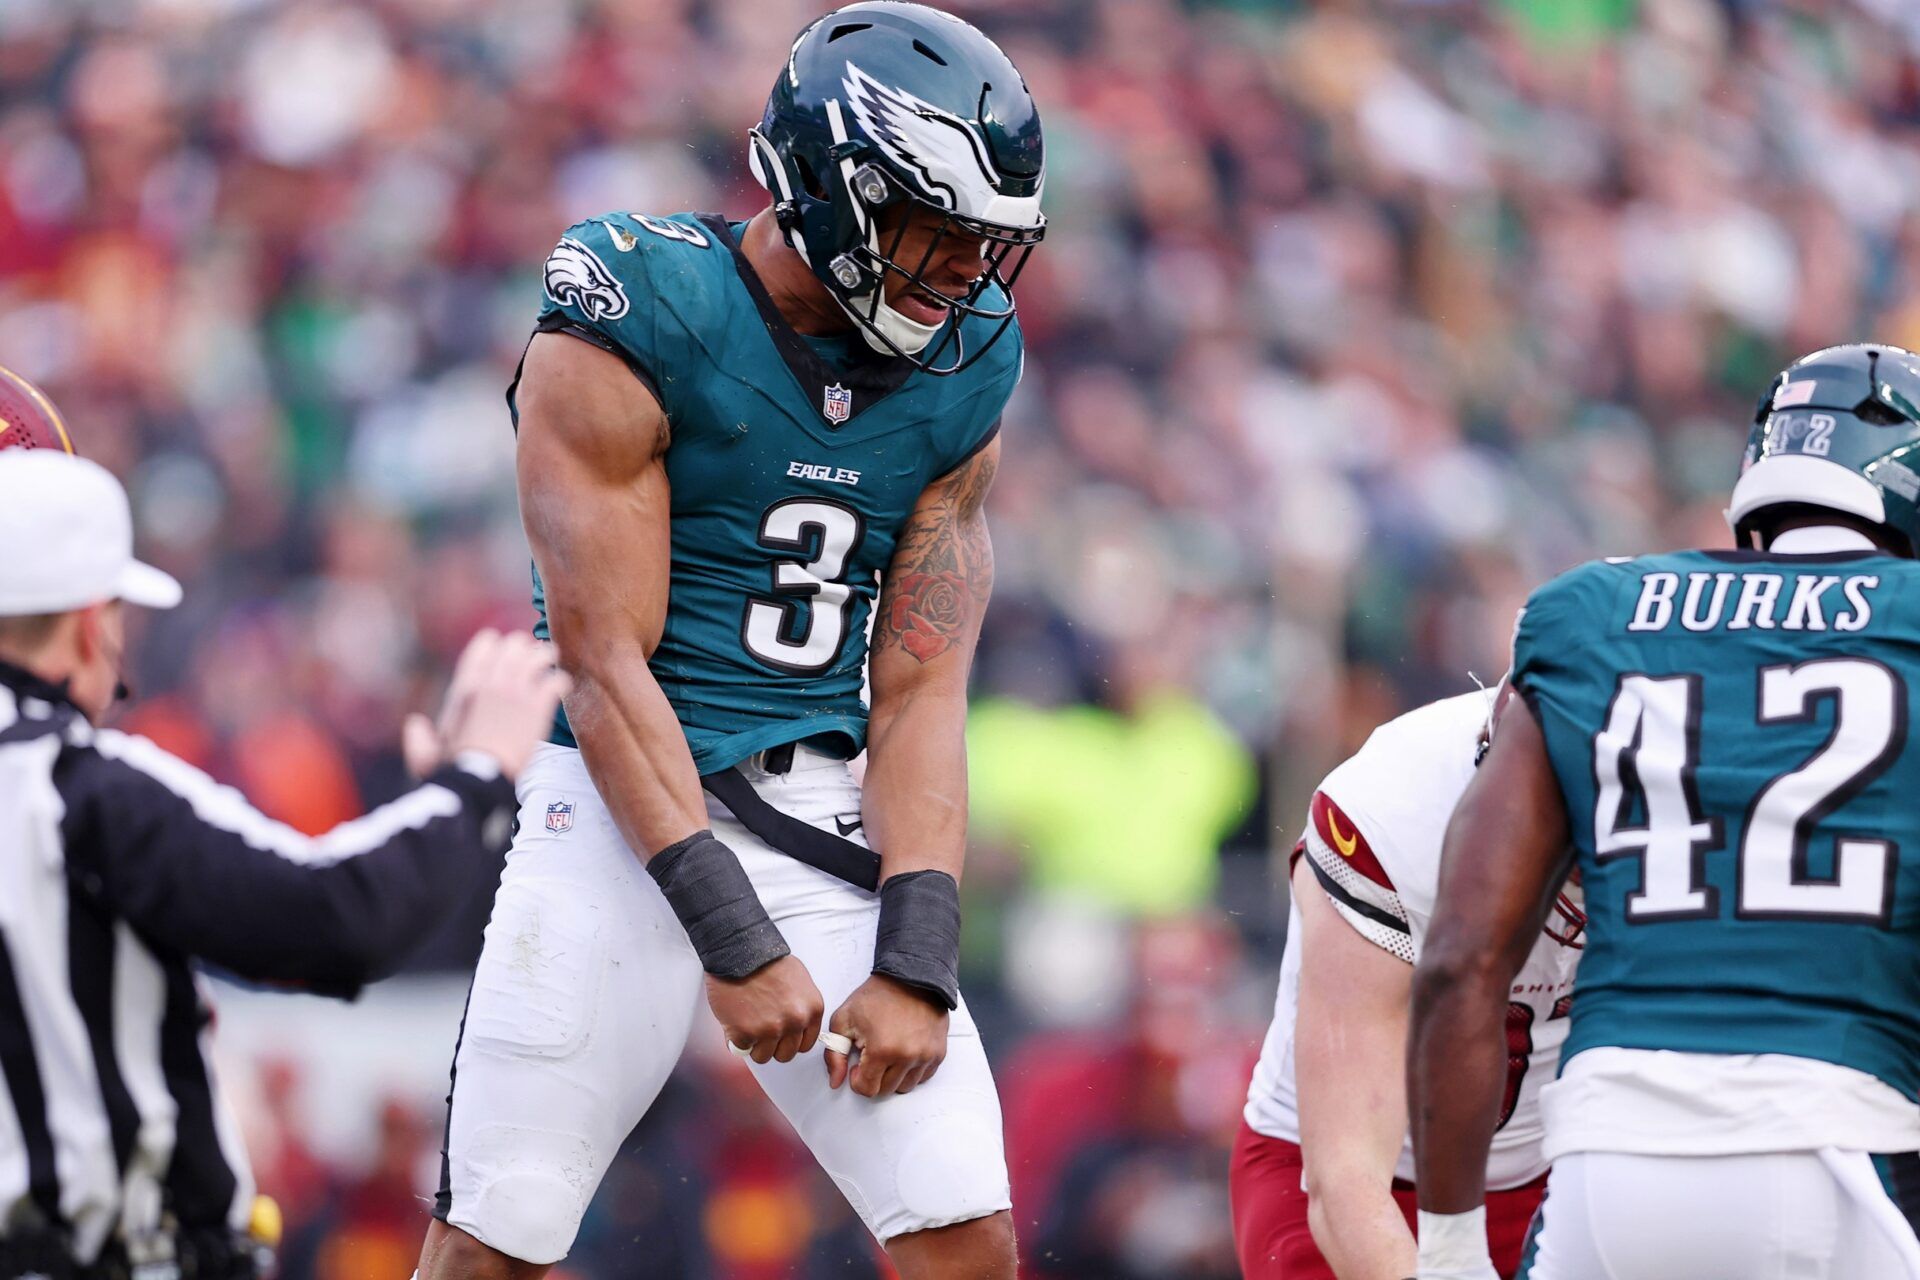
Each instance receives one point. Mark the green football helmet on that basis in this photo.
(1837, 430)
(884, 104)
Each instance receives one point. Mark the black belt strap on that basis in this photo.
(804, 842)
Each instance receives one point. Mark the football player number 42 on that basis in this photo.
(801, 624)
(1650, 750)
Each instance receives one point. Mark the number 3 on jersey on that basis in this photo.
(802, 624)
(1650, 746)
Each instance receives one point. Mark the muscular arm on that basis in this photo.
(1350, 1042)
(915, 798)
(932, 602)
(593, 496)
(1505, 857)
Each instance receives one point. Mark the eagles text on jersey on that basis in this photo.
(794, 463)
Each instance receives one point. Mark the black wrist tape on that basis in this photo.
(709, 890)
(919, 939)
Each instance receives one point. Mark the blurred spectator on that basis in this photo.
(1118, 1146)
(1355, 319)
(1123, 808)
(287, 1168)
(374, 1227)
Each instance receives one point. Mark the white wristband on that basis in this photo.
(1453, 1246)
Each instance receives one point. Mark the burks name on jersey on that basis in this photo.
(1818, 601)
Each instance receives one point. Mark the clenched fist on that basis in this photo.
(899, 1036)
(771, 1014)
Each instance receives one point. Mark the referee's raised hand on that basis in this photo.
(500, 702)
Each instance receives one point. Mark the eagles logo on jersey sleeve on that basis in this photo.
(648, 290)
(1355, 881)
(574, 276)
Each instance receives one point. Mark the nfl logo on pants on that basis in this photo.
(837, 404)
(560, 817)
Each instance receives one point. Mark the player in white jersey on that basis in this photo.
(1321, 1171)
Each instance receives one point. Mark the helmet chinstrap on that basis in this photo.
(870, 268)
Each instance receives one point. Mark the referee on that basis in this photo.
(120, 865)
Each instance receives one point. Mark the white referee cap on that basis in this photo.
(66, 538)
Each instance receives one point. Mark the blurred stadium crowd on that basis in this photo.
(1354, 321)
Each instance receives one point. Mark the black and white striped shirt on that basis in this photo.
(119, 866)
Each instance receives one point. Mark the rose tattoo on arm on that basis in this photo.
(942, 570)
(925, 614)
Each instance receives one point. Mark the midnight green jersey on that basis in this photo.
(1731, 733)
(793, 462)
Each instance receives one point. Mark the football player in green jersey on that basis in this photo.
(738, 444)
(1720, 742)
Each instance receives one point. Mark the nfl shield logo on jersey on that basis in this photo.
(560, 817)
(837, 404)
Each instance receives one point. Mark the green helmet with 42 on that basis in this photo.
(1836, 431)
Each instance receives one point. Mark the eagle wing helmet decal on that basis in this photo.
(948, 153)
(575, 277)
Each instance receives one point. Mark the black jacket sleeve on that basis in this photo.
(199, 871)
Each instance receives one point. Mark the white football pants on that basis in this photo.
(1803, 1215)
(588, 988)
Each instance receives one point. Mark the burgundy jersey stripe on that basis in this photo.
(1345, 838)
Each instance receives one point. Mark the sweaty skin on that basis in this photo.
(932, 601)
(593, 496)
(1350, 1037)
(950, 273)
(914, 802)
(809, 308)
(1505, 857)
